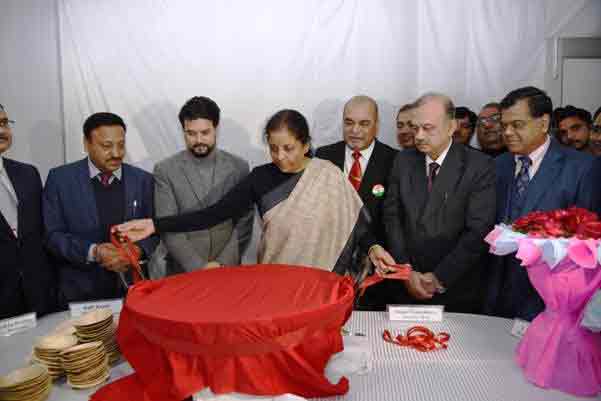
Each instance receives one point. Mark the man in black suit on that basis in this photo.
(374, 159)
(27, 281)
(367, 162)
(439, 207)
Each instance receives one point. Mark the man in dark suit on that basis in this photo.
(82, 200)
(361, 154)
(536, 174)
(439, 207)
(27, 280)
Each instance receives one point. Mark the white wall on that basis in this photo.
(29, 81)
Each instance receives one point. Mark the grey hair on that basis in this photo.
(446, 101)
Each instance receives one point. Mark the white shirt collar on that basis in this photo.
(440, 158)
(94, 171)
(365, 153)
(2, 165)
(536, 156)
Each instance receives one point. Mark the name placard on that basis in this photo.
(79, 308)
(17, 324)
(415, 313)
(519, 328)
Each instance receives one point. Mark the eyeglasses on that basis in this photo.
(516, 125)
(7, 123)
(494, 119)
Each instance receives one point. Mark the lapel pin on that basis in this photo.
(378, 190)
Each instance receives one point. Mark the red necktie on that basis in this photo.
(105, 179)
(355, 173)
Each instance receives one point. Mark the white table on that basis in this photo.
(478, 365)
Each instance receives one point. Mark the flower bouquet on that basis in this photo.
(561, 250)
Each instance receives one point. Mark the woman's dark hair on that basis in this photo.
(294, 122)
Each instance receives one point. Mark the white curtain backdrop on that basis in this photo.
(143, 59)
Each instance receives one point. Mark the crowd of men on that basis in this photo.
(432, 201)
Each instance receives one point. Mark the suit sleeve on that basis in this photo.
(244, 225)
(393, 215)
(589, 192)
(149, 244)
(479, 220)
(178, 245)
(59, 240)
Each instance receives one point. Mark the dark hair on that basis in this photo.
(597, 113)
(294, 122)
(539, 103)
(496, 105)
(462, 112)
(571, 111)
(200, 107)
(405, 107)
(101, 120)
(1, 107)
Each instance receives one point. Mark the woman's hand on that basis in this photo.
(136, 230)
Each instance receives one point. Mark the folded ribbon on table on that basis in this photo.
(420, 338)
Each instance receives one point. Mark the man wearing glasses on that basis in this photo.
(27, 282)
(488, 130)
(536, 174)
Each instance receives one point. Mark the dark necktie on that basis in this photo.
(105, 178)
(432, 171)
(520, 186)
(355, 173)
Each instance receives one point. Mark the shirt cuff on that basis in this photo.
(91, 252)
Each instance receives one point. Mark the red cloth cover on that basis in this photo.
(264, 330)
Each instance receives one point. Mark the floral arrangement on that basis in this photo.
(572, 222)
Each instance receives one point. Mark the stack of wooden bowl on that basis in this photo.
(98, 325)
(47, 352)
(32, 383)
(86, 365)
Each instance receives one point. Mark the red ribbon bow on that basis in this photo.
(128, 251)
(420, 338)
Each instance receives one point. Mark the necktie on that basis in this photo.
(8, 205)
(105, 178)
(355, 173)
(432, 171)
(520, 186)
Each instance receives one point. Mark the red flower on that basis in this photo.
(560, 223)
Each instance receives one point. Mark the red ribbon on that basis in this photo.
(399, 272)
(420, 338)
(128, 251)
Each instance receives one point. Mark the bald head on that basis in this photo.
(363, 100)
(360, 122)
(439, 98)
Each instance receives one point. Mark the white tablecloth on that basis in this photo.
(478, 365)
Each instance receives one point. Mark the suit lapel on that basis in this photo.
(451, 171)
(5, 229)
(417, 193)
(88, 199)
(371, 172)
(504, 182)
(339, 155)
(194, 179)
(543, 180)
(19, 187)
(129, 187)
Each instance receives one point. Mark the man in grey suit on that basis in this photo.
(196, 178)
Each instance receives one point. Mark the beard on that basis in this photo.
(201, 150)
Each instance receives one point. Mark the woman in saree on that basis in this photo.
(311, 214)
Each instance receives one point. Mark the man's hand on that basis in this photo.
(381, 259)
(212, 265)
(419, 287)
(109, 257)
(430, 283)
